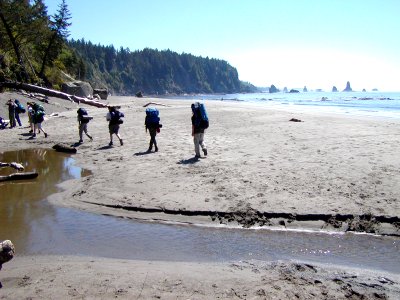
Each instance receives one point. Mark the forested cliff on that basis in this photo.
(155, 72)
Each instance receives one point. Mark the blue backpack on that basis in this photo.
(200, 115)
(152, 117)
(83, 115)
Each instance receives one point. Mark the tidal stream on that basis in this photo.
(38, 227)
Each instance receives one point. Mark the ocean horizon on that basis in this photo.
(370, 104)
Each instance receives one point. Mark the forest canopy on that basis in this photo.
(34, 48)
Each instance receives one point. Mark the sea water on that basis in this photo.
(369, 104)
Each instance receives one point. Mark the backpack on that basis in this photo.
(37, 107)
(152, 118)
(21, 108)
(39, 116)
(83, 115)
(116, 117)
(200, 115)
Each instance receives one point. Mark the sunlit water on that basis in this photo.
(371, 104)
(37, 227)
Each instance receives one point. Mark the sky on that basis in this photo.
(288, 43)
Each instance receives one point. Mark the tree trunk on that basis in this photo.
(14, 44)
(52, 93)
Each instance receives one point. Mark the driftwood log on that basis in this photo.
(51, 93)
(154, 103)
(7, 251)
(64, 148)
(19, 176)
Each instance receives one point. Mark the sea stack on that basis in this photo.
(334, 89)
(273, 89)
(305, 89)
(348, 87)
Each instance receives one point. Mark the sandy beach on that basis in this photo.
(328, 172)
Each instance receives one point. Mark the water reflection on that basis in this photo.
(20, 201)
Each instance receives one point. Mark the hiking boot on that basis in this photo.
(110, 144)
(197, 156)
(156, 150)
(45, 135)
(205, 152)
(80, 141)
(121, 142)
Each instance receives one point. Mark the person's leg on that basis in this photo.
(110, 128)
(35, 128)
(41, 128)
(86, 132)
(12, 119)
(18, 119)
(196, 140)
(80, 132)
(153, 133)
(120, 139)
(202, 144)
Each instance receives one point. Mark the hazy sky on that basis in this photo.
(292, 43)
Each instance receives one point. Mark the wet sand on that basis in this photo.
(329, 172)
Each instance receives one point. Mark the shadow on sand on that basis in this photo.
(188, 161)
(143, 153)
(105, 147)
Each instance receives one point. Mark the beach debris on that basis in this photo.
(295, 120)
(154, 103)
(19, 176)
(7, 252)
(14, 165)
(60, 147)
(139, 94)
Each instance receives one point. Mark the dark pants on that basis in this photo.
(11, 115)
(17, 118)
(153, 133)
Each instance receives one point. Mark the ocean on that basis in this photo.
(369, 104)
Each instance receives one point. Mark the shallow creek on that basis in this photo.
(37, 227)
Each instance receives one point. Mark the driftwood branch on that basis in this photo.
(19, 176)
(154, 103)
(51, 93)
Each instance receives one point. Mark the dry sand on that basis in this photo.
(329, 172)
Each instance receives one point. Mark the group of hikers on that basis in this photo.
(35, 115)
(114, 117)
(152, 124)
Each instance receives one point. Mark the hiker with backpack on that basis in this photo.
(199, 124)
(38, 118)
(114, 121)
(152, 123)
(11, 112)
(83, 120)
(19, 109)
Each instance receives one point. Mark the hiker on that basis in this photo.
(38, 118)
(7, 252)
(11, 112)
(114, 118)
(152, 123)
(19, 109)
(3, 123)
(199, 124)
(83, 120)
(30, 116)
